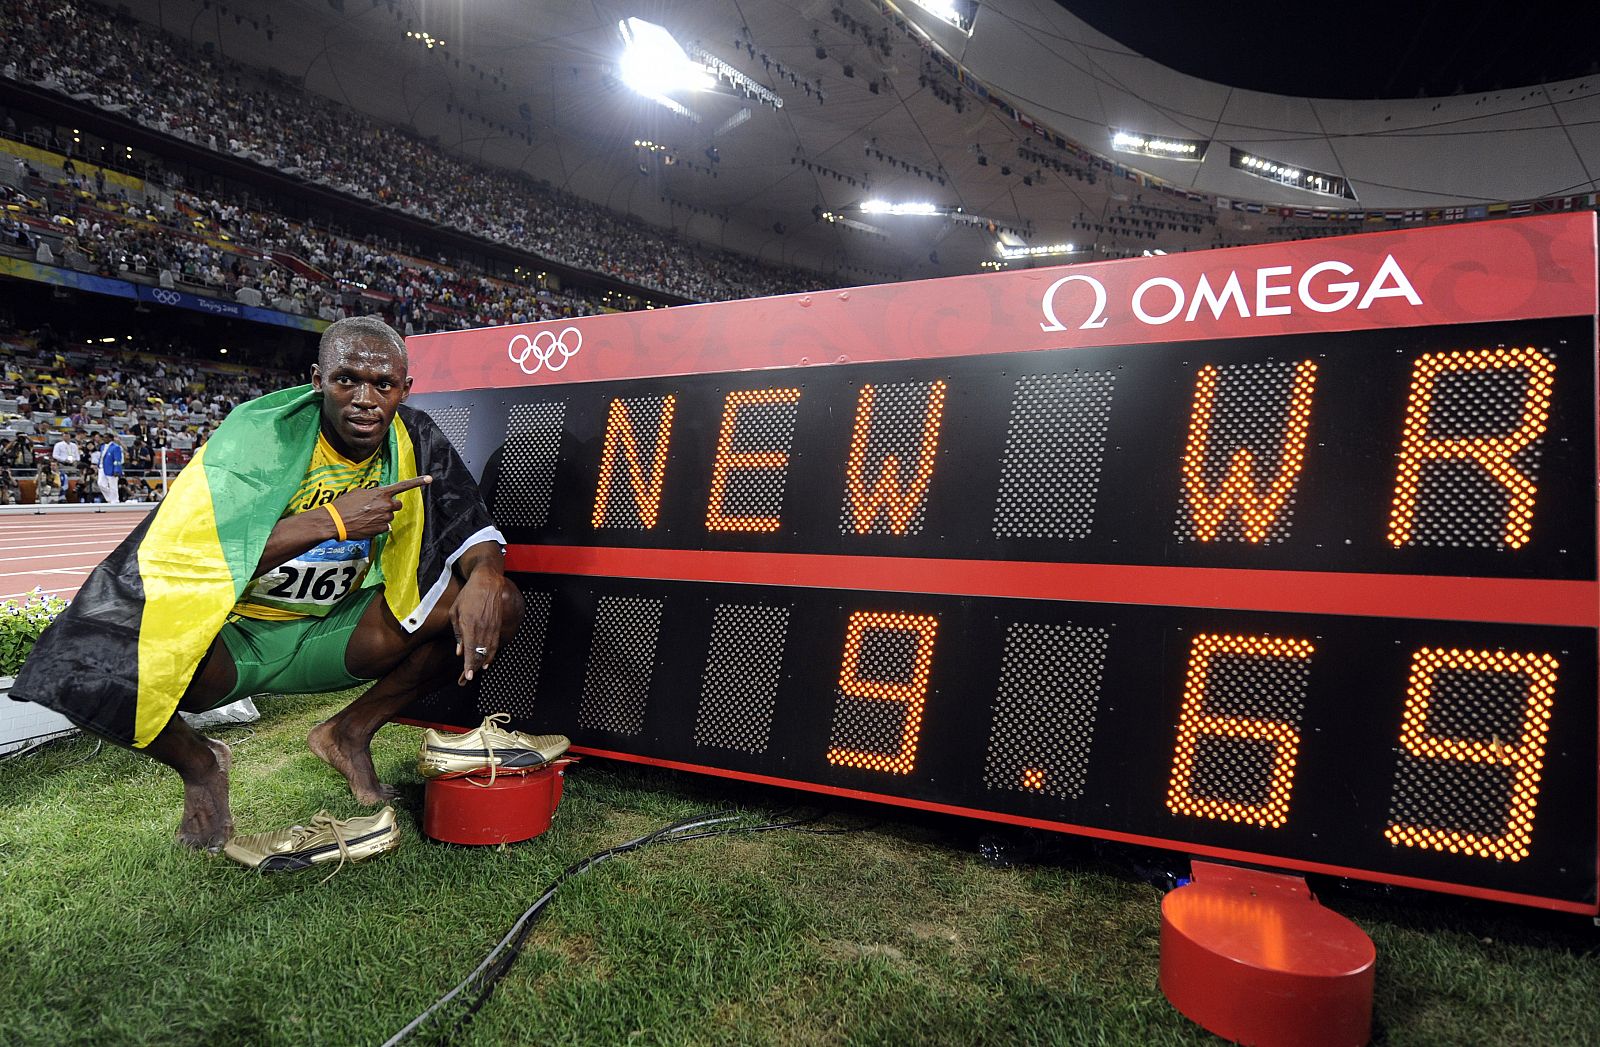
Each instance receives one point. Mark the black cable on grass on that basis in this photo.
(39, 742)
(91, 754)
(480, 984)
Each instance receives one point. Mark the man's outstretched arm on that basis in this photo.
(478, 613)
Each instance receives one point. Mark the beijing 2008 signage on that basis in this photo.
(1284, 554)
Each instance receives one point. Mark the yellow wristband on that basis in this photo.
(338, 521)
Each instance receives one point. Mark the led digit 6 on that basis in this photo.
(1195, 722)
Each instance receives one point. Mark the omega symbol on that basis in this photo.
(550, 351)
(1096, 316)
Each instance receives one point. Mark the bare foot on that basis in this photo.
(351, 759)
(207, 821)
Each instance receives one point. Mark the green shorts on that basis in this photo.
(303, 656)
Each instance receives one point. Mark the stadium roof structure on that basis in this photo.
(1008, 131)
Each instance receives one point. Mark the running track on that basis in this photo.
(56, 551)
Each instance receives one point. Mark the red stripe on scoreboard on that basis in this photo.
(1528, 601)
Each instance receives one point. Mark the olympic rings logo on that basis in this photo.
(550, 351)
(166, 297)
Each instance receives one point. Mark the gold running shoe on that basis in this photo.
(323, 840)
(487, 747)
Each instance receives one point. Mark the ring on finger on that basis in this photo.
(481, 650)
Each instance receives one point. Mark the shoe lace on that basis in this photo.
(493, 720)
(335, 827)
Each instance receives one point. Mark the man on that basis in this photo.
(110, 474)
(140, 458)
(91, 468)
(325, 536)
(46, 485)
(66, 454)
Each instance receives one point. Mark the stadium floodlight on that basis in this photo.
(1323, 182)
(959, 13)
(839, 219)
(656, 65)
(1140, 144)
(885, 207)
(1041, 251)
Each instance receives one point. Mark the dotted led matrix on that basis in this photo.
(739, 686)
(893, 446)
(1055, 447)
(512, 683)
(633, 462)
(622, 656)
(454, 422)
(1239, 728)
(1472, 746)
(1468, 468)
(1245, 451)
(1043, 728)
(528, 469)
(883, 684)
(752, 464)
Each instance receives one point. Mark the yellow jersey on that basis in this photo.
(312, 583)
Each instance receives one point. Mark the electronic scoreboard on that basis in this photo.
(1283, 554)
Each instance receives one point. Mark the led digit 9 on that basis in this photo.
(1525, 756)
(912, 691)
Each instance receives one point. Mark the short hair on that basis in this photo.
(355, 329)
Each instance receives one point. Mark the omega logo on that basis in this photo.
(1096, 316)
(1267, 291)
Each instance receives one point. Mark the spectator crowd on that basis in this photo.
(225, 248)
(127, 67)
(62, 406)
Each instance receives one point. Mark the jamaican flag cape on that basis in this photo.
(119, 658)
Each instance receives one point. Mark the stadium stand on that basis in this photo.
(216, 247)
(81, 51)
(118, 65)
(156, 404)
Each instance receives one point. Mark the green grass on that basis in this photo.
(109, 933)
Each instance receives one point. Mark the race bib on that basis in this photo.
(315, 581)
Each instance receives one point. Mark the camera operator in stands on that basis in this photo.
(91, 470)
(47, 487)
(23, 457)
(141, 459)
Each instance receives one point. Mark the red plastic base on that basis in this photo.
(1253, 957)
(513, 807)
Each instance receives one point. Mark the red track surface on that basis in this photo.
(56, 551)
